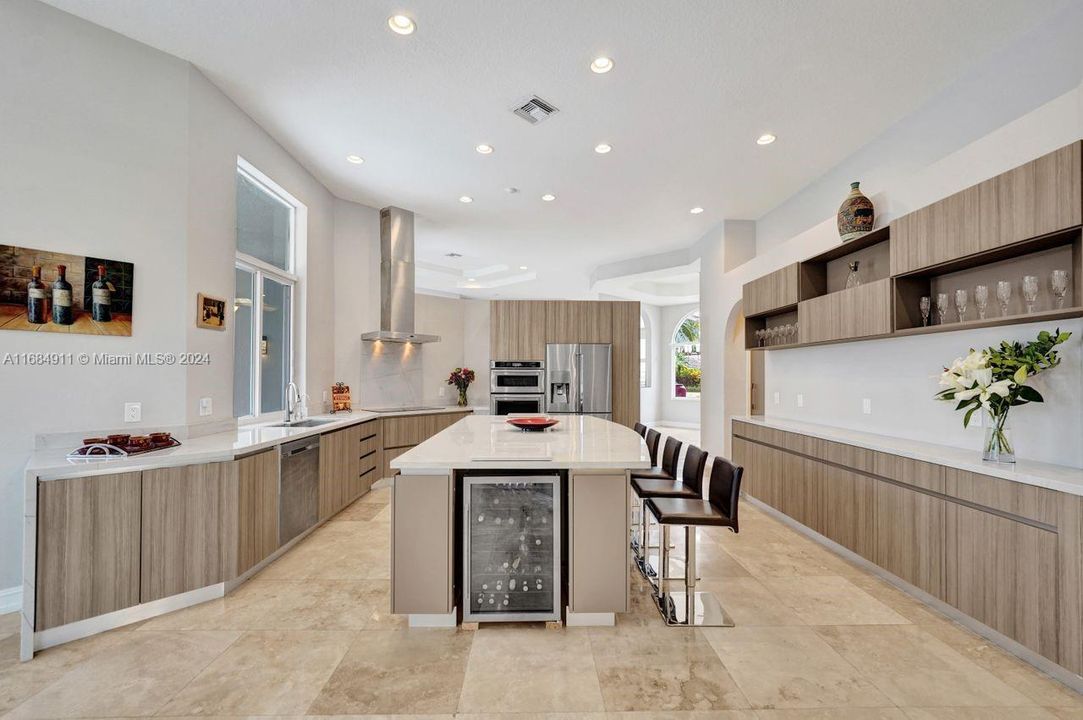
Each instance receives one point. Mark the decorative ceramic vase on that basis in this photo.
(462, 397)
(855, 214)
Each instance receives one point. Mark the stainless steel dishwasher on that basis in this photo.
(298, 487)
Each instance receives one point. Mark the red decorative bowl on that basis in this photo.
(532, 423)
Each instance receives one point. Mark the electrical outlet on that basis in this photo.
(800, 400)
(440, 391)
(205, 406)
(778, 398)
(866, 406)
(133, 412)
(325, 397)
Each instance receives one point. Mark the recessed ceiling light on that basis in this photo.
(471, 279)
(401, 24)
(602, 148)
(522, 267)
(466, 199)
(549, 197)
(355, 159)
(601, 65)
(511, 190)
(696, 210)
(765, 139)
(484, 149)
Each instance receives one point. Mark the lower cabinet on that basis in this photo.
(399, 434)
(1008, 555)
(422, 544)
(340, 468)
(598, 538)
(254, 496)
(88, 547)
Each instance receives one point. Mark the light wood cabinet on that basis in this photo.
(1039, 197)
(598, 515)
(910, 532)
(863, 311)
(849, 510)
(517, 330)
(937, 233)
(368, 454)
(255, 507)
(88, 547)
(422, 544)
(183, 529)
(578, 321)
(340, 469)
(771, 292)
(625, 335)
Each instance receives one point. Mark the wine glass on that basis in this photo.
(759, 337)
(787, 331)
(981, 299)
(1058, 281)
(925, 304)
(1030, 291)
(1004, 296)
(941, 307)
(960, 303)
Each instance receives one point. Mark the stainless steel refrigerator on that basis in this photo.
(579, 379)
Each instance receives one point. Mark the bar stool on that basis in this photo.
(664, 483)
(641, 429)
(653, 437)
(691, 608)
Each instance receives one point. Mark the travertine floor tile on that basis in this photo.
(131, 678)
(831, 600)
(889, 713)
(398, 671)
(779, 667)
(979, 713)
(749, 602)
(264, 673)
(915, 669)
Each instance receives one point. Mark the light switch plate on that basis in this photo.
(205, 406)
(800, 400)
(778, 398)
(133, 412)
(866, 406)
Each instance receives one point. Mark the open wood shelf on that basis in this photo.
(871, 238)
(997, 321)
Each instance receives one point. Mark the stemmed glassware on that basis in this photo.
(760, 335)
(960, 304)
(1004, 296)
(941, 308)
(1058, 282)
(925, 304)
(981, 299)
(1030, 291)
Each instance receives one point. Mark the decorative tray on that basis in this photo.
(123, 445)
(535, 424)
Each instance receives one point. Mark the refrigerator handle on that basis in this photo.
(579, 382)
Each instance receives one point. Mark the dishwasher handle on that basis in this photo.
(300, 446)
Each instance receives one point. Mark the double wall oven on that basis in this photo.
(516, 386)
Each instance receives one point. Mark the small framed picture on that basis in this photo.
(210, 312)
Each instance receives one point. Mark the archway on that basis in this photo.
(735, 363)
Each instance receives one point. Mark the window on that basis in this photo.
(687, 361)
(644, 351)
(269, 224)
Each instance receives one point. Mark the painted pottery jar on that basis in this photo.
(855, 214)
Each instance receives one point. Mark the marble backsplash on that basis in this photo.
(391, 375)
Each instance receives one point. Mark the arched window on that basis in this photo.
(687, 363)
(644, 350)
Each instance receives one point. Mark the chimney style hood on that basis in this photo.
(397, 280)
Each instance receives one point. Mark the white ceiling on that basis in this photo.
(695, 83)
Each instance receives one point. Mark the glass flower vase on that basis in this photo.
(462, 397)
(998, 445)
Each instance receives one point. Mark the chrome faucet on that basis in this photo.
(293, 399)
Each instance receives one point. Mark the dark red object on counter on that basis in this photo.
(532, 423)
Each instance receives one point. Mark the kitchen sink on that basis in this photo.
(303, 423)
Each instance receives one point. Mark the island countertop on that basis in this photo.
(577, 442)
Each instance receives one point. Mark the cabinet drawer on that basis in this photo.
(863, 311)
(770, 292)
(369, 429)
(367, 446)
(368, 463)
(1025, 501)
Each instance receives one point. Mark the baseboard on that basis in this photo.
(675, 424)
(11, 600)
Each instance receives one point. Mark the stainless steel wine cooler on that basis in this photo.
(511, 548)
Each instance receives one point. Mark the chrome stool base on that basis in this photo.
(703, 611)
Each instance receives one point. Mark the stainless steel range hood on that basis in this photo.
(397, 280)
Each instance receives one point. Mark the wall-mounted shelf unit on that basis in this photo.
(1026, 221)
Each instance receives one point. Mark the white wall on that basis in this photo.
(650, 405)
(356, 287)
(682, 411)
(839, 376)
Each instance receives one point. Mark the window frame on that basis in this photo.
(293, 278)
(645, 348)
(673, 347)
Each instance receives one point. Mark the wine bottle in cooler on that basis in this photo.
(62, 311)
(101, 297)
(36, 304)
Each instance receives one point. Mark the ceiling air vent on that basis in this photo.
(534, 110)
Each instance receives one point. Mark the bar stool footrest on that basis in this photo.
(707, 612)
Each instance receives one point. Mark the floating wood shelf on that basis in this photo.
(997, 321)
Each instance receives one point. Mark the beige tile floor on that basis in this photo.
(816, 638)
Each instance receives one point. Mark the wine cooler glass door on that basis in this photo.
(511, 548)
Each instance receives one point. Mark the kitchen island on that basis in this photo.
(493, 523)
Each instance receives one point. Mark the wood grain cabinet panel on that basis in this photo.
(578, 321)
(1004, 573)
(946, 230)
(598, 529)
(182, 529)
(1039, 197)
(910, 536)
(88, 547)
(743, 453)
(255, 536)
(517, 330)
(422, 544)
(339, 470)
(863, 311)
(1070, 582)
(625, 335)
(849, 510)
(771, 292)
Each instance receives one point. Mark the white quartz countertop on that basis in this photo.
(53, 464)
(1029, 472)
(488, 441)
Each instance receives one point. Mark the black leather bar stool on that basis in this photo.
(653, 437)
(662, 482)
(641, 429)
(718, 510)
